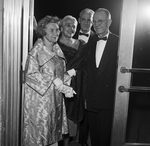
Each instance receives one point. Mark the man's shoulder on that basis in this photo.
(113, 34)
(113, 38)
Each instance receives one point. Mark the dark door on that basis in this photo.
(131, 125)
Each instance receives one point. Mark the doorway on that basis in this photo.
(132, 105)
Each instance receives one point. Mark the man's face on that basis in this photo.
(101, 23)
(69, 28)
(85, 21)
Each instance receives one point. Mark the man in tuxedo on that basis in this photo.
(84, 33)
(85, 20)
(101, 69)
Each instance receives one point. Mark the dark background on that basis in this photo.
(138, 127)
(62, 8)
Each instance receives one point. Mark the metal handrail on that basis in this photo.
(134, 89)
(134, 70)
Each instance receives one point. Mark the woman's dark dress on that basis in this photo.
(75, 106)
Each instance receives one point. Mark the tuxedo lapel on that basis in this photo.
(106, 57)
(92, 63)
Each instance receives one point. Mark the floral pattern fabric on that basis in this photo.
(44, 111)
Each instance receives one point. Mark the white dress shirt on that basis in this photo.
(99, 50)
(83, 37)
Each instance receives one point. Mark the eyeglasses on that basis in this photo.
(99, 22)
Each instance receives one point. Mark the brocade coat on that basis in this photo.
(44, 110)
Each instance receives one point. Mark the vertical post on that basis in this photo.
(1, 73)
(14, 45)
(127, 32)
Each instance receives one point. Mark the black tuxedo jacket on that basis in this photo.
(101, 81)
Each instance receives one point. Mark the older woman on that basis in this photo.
(45, 83)
(70, 48)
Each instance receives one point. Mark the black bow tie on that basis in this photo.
(80, 33)
(104, 38)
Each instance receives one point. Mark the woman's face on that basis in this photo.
(69, 28)
(52, 32)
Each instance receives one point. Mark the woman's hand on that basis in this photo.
(71, 72)
(68, 91)
(58, 84)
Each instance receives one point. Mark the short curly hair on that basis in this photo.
(40, 30)
(63, 21)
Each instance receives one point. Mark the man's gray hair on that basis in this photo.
(106, 12)
(87, 10)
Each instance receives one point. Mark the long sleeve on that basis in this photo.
(79, 61)
(36, 77)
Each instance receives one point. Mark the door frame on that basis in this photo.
(15, 39)
(125, 55)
